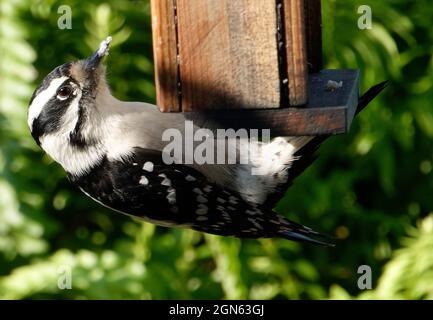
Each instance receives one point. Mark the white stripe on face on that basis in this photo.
(42, 98)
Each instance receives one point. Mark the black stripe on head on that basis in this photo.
(76, 137)
(50, 118)
(60, 71)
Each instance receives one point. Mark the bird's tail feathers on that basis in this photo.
(371, 93)
(296, 236)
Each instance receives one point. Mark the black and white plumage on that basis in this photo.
(112, 150)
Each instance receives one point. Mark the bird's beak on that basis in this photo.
(92, 62)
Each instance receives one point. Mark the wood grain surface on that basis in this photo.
(165, 55)
(296, 52)
(228, 54)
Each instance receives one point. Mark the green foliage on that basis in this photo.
(371, 188)
(409, 274)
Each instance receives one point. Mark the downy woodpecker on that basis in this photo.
(113, 151)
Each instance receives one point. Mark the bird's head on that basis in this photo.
(63, 111)
(64, 99)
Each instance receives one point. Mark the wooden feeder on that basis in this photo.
(249, 64)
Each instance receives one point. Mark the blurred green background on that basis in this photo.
(371, 189)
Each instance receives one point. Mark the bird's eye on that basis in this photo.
(64, 92)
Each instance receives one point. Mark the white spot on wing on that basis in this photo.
(233, 200)
(227, 217)
(166, 182)
(201, 199)
(190, 178)
(148, 166)
(144, 181)
(171, 197)
(197, 190)
(202, 209)
(257, 225)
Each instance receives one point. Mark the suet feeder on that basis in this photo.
(250, 64)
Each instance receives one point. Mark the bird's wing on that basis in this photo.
(176, 195)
